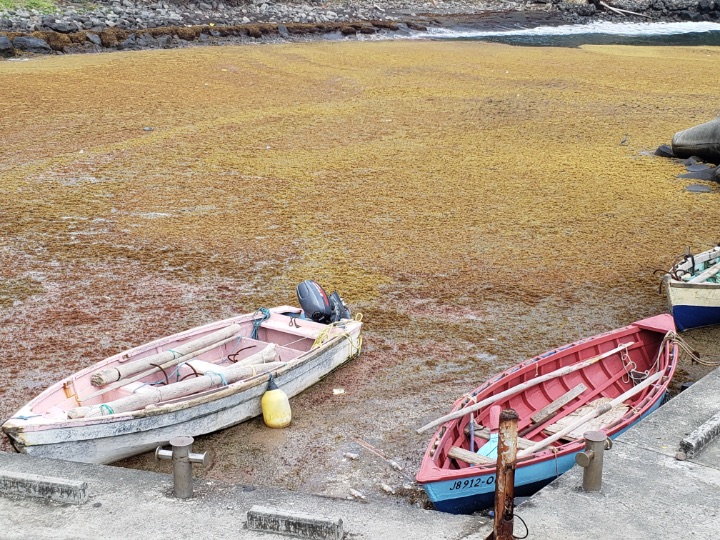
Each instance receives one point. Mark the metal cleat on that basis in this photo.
(182, 459)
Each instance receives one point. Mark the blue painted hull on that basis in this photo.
(478, 492)
(687, 317)
(475, 493)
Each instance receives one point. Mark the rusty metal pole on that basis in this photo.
(505, 480)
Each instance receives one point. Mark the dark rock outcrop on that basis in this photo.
(31, 44)
(6, 47)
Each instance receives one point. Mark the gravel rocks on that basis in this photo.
(126, 14)
(129, 24)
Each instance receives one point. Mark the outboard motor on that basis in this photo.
(338, 307)
(318, 306)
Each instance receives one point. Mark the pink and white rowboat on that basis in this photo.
(209, 378)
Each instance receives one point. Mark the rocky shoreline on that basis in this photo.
(143, 24)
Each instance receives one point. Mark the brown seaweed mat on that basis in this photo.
(472, 200)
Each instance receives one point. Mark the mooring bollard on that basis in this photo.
(596, 442)
(505, 479)
(182, 459)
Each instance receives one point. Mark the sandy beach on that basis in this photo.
(478, 203)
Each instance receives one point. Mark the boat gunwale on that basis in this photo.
(685, 285)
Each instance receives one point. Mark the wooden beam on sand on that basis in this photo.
(622, 11)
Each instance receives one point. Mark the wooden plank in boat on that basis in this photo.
(594, 424)
(470, 457)
(546, 412)
(201, 367)
(304, 328)
(706, 274)
(484, 433)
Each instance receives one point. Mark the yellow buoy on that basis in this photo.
(275, 406)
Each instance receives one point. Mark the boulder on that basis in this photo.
(6, 46)
(93, 38)
(702, 141)
(129, 43)
(164, 42)
(31, 44)
(62, 26)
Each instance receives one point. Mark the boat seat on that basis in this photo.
(306, 328)
(56, 413)
(470, 457)
(481, 432)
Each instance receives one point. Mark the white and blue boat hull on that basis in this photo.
(693, 290)
(694, 305)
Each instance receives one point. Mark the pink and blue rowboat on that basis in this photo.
(459, 479)
(191, 383)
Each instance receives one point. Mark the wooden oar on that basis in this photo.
(110, 375)
(706, 274)
(175, 361)
(187, 387)
(527, 384)
(592, 414)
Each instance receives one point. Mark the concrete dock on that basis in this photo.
(647, 493)
(129, 504)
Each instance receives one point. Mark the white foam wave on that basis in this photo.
(607, 28)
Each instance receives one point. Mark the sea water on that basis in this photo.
(596, 33)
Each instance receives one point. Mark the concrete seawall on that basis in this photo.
(125, 503)
(649, 491)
